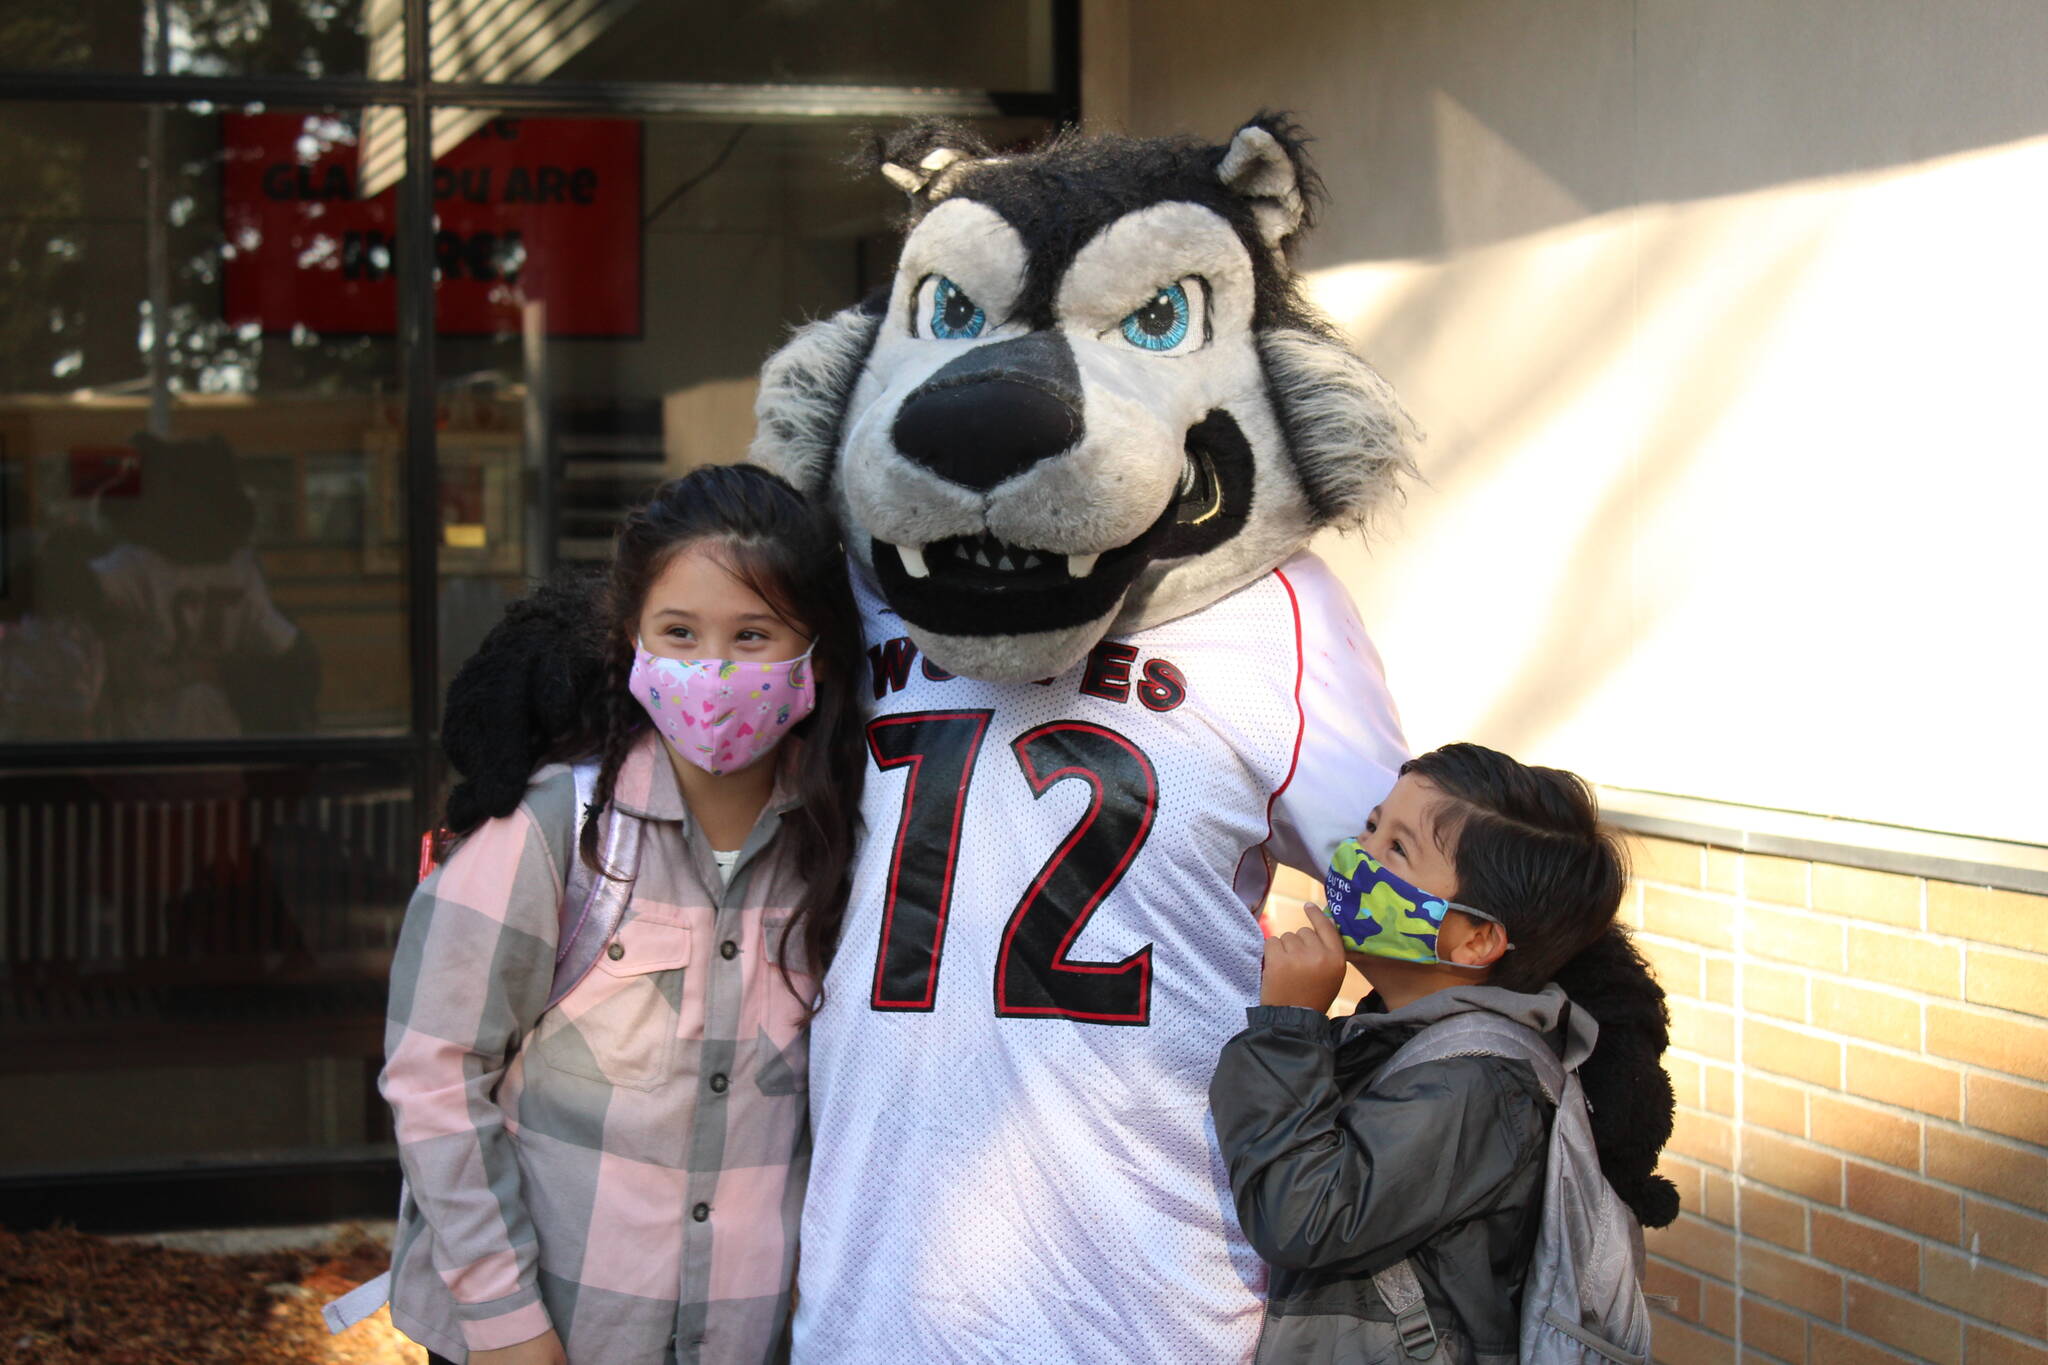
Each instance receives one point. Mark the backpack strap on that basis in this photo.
(1402, 1292)
(592, 907)
(576, 886)
(1480, 1033)
(1476, 1033)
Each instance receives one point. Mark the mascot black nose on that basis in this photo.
(994, 412)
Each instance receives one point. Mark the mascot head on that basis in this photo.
(1092, 398)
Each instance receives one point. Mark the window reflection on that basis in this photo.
(987, 45)
(190, 643)
(191, 548)
(213, 941)
(189, 37)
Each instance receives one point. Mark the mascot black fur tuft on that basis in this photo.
(526, 684)
(1076, 449)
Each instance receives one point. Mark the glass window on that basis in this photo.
(200, 454)
(988, 45)
(199, 532)
(193, 961)
(194, 37)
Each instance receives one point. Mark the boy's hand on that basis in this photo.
(1305, 967)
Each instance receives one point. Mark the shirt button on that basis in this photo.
(728, 950)
(701, 1212)
(718, 1083)
(616, 951)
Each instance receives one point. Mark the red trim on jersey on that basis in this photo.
(1294, 760)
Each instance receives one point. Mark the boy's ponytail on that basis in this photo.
(1610, 981)
(1531, 850)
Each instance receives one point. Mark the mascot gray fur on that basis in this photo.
(1075, 451)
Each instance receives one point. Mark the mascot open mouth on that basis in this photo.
(962, 586)
(981, 585)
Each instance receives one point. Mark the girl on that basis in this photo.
(617, 1179)
(1337, 1176)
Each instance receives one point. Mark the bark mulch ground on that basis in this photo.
(69, 1297)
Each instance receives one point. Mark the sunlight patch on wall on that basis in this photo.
(1738, 498)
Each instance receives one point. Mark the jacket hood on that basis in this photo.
(1627, 1090)
(1545, 1011)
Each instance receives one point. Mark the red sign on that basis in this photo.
(106, 472)
(524, 209)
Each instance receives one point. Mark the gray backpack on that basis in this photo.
(1582, 1299)
(593, 907)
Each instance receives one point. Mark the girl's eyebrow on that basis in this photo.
(689, 615)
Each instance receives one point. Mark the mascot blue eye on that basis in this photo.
(952, 315)
(1167, 321)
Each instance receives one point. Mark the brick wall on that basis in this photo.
(1861, 1061)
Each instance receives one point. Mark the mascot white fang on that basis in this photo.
(1076, 453)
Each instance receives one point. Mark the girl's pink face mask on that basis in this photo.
(722, 714)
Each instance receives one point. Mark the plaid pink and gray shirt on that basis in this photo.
(628, 1167)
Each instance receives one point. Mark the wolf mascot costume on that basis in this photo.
(1076, 451)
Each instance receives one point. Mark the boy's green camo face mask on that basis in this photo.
(1380, 913)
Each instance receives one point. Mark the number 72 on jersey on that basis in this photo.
(1035, 976)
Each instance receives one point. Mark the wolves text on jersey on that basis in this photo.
(1112, 672)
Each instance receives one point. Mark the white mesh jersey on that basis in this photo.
(1052, 933)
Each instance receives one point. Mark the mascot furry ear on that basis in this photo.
(1092, 399)
(1265, 171)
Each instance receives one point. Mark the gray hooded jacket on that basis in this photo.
(1336, 1178)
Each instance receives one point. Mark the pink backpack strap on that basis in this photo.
(593, 906)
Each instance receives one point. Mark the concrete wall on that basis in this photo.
(1722, 319)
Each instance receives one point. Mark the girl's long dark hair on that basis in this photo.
(1530, 849)
(787, 553)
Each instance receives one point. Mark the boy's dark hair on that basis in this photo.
(786, 552)
(1530, 849)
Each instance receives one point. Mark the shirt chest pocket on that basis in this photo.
(624, 1021)
(784, 1036)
